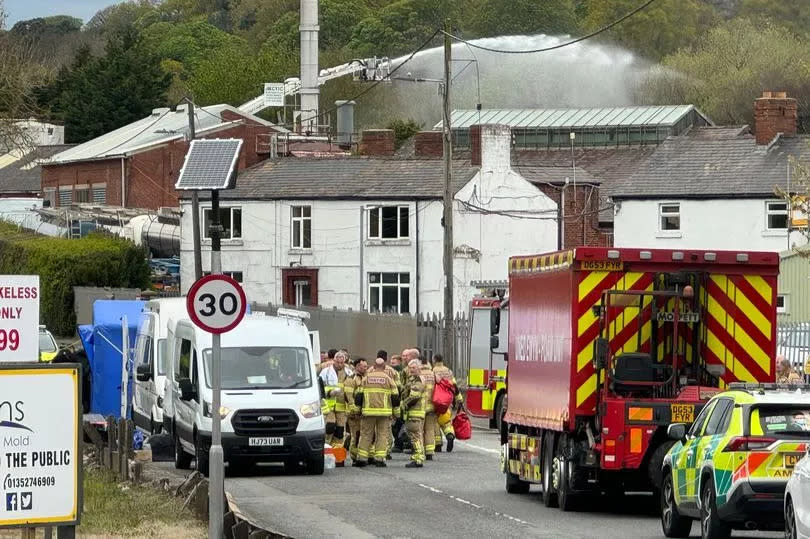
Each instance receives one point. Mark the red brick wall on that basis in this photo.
(152, 174)
(377, 142)
(581, 214)
(775, 113)
(429, 144)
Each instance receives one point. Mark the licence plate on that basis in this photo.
(682, 413)
(261, 442)
(602, 265)
(792, 458)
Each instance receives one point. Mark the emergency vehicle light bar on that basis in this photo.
(293, 313)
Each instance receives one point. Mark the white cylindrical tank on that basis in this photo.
(309, 65)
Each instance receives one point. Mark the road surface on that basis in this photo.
(460, 494)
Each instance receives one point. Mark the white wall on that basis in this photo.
(705, 224)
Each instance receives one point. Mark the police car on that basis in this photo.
(730, 468)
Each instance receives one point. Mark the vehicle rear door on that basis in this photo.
(779, 439)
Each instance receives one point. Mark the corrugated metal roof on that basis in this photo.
(161, 127)
(641, 116)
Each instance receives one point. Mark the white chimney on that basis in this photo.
(491, 147)
(309, 65)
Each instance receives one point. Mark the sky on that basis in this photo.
(20, 10)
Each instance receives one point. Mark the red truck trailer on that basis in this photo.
(609, 346)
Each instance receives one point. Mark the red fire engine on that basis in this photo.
(609, 346)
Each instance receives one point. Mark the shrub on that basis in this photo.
(96, 260)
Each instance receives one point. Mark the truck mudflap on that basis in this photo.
(522, 457)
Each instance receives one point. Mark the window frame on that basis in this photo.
(300, 223)
(722, 422)
(236, 275)
(378, 220)
(785, 308)
(697, 427)
(769, 213)
(87, 194)
(380, 284)
(69, 197)
(229, 237)
(97, 188)
(662, 214)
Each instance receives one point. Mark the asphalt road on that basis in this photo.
(460, 494)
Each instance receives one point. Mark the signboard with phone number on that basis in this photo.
(40, 452)
(19, 318)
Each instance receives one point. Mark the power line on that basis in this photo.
(561, 45)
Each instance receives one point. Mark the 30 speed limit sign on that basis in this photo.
(216, 303)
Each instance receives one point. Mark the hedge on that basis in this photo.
(96, 260)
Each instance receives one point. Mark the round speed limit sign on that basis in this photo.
(216, 303)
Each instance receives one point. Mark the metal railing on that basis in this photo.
(793, 342)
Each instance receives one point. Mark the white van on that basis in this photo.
(271, 401)
(150, 409)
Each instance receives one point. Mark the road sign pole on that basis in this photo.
(216, 494)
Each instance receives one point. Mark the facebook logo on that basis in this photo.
(11, 501)
(26, 499)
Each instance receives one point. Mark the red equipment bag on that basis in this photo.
(443, 394)
(462, 426)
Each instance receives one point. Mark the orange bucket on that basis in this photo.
(338, 452)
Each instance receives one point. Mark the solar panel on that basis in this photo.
(209, 164)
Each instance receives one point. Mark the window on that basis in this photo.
(65, 196)
(100, 193)
(229, 218)
(697, 426)
(781, 303)
(50, 198)
(389, 292)
(183, 361)
(235, 275)
(301, 227)
(776, 215)
(82, 194)
(388, 222)
(720, 418)
(254, 367)
(669, 217)
(161, 357)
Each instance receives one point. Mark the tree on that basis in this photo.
(660, 29)
(400, 26)
(96, 95)
(724, 73)
(403, 130)
(792, 14)
(511, 17)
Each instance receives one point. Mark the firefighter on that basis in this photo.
(785, 373)
(377, 394)
(352, 410)
(413, 404)
(332, 376)
(431, 425)
(343, 372)
(445, 421)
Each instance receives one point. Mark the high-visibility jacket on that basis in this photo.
(441, 372)
(429, 379)
(330, 386)
(340, 400)
(413, 398)
(377, 390)
(349, 387)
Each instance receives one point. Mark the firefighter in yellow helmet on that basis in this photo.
(431, 425)
(353, 416)
(377, 395)
(445, 421)
(413, 404)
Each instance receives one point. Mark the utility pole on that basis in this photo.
(447, 142)
(216, 454)
(195, 203)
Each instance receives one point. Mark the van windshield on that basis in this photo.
(274, 367)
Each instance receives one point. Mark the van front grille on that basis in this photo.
(271, 422)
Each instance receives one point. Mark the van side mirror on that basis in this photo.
(144, 372)
(494, 321)
(187, 392)
(601, 351)
(677, 431)
(494, 342)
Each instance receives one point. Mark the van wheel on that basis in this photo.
(201, 457)
(315, 466)
(182, 460)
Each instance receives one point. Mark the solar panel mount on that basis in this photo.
(210, 164)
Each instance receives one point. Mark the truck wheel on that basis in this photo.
(673, 524)
(315, 466)
(497, 413)
(182, 460)
(711, 527)
(201, 457)
(657, 463)
(562, 477)
(549, 496)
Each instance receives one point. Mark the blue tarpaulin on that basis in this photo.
(103, 343)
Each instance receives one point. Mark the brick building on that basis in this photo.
(136, 166)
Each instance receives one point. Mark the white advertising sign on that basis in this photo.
(39, 445)
(274, 94)
(19, 318)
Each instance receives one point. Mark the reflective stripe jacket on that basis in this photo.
(340, 402)
(349, 387)
(377, 388)
(429, 379)
(441, 373)
(413, 398)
